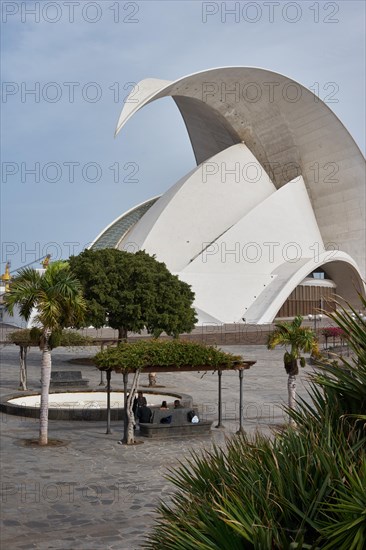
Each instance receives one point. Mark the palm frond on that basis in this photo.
(55, 294)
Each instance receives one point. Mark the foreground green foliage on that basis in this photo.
(259, 494)
(156, 353)
(305, 489)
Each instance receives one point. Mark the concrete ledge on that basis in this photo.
(74, 413)
(180, 425)
(58, 413)
(69, 384)
(67, 379)
(163, 431)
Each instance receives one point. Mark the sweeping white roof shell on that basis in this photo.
(239, 118)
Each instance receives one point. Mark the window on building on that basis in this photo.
(319, 274)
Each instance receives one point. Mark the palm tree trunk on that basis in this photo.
(45, 382)
(23, 350)
(291, 386)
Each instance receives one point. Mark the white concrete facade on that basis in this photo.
(279, 190)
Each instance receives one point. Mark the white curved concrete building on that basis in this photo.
(278, 193)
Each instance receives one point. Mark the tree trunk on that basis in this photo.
(152, 379)
(291, 386)
(23, 350)
(122, 334)
(45, 382)
(130, 413)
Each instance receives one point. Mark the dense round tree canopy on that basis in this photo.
(130, 292)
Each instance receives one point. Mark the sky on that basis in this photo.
(68, 66)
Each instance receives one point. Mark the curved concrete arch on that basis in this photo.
(208, 130)
(286, 127)
(340, 266)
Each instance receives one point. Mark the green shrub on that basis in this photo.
(71, 338)
(23, 337)
(33, 337)
(157, 353)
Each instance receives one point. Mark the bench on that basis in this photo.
(180, 425)
(67, 378)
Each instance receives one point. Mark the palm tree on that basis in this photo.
(57, 297)
(300, 339)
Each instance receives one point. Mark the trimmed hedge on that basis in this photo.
(32, 337)
(156, 353)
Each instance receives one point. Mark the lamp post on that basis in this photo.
(315, 318)
(360, 317)
(101, 383)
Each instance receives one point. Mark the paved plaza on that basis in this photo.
(91, 493)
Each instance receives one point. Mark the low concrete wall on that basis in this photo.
(87, 413)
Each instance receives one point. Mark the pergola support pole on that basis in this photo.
(219, 424)
(101, 383)
(241, 429)
(125, 419)
(108, 402)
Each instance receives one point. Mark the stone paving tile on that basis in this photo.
(94, 494)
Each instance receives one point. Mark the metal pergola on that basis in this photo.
(236, 366)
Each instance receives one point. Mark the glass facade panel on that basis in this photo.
(113, 234)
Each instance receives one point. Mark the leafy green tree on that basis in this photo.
(57, 297)
(300, 340)
(130, 292)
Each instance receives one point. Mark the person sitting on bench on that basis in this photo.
(177, 404)
(144, 414)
